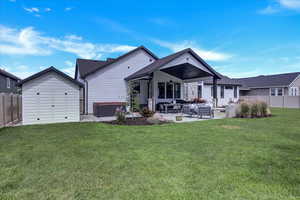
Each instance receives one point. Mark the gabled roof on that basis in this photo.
(7, 74)
(160, 62)
(87, 67)
(264, 81)
(225, 80)
(50, 69)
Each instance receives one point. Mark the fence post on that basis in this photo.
(12, 107)
(18, 117)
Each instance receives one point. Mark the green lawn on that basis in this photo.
(216, 159)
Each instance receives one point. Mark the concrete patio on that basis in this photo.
(162, 116)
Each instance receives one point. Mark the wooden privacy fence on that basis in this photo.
(10, 109)
(276, 101)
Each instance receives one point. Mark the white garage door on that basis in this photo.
(50, 99)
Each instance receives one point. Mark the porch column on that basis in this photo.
(215, 95)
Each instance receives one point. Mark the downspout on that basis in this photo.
(86, 96)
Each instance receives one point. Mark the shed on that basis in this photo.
(50, 96)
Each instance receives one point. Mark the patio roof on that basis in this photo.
(186, 68)
(186, 71)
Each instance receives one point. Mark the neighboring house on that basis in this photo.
(50, 96)
(287, 84)
(227, 90)
(8, 82)
(108, 83)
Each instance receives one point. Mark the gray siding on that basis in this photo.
(260, 92)
(256, 92)
(3, 85)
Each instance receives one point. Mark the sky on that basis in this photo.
(238, 38)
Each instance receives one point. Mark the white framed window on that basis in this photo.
(276, 91)
(7, 82)
(169, 90)
(279, 92)
(293, 91)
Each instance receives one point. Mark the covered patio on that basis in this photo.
(163, 81)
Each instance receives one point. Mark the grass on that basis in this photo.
(216, 159)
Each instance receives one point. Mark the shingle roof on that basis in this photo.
(5, 73)
(225, 80)
(87, 66)
(160, 62)
(34, 76)
(268, 80)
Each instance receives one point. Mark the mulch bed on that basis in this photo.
(140, 121)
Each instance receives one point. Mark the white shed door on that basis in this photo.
(53, 106)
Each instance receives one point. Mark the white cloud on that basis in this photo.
(69, 63)
(281, 5)
(23, 42)
(68, 8)
(70, 71)
(268, 10)
(73, 37)
(28, 41)
(290, 4)
(48, 9)
(205, 54)
(32, 10)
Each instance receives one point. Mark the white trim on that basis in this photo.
(294, 80)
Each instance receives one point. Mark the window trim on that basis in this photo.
(165, 90)
(276, 92)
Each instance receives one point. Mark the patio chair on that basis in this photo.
(205, 111)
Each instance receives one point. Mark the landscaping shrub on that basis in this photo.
(121, 115)
(254, 110)
(245, 109)
(263, 107)
(145, 112)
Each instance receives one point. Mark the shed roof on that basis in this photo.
(50, 69)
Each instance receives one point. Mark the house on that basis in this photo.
(287, 84)
(50, 96)
(227, 90)
(110, 83)
(8, 82)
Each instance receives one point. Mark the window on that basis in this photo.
(228, 87)
(235, 92)
(169, 90)
(8, 82)
(294, 91)
(279, 92)
(161, 90)
(273, 91)
(222, 91)
(276, 92)
(199, 91)
(177, 87)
